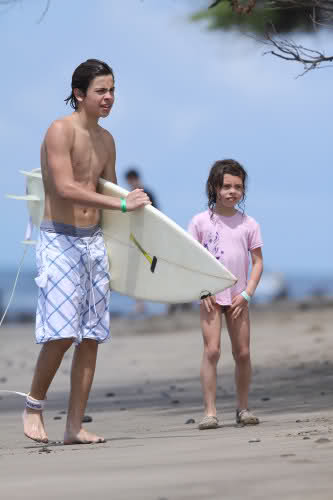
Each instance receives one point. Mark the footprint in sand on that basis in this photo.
(322, 440)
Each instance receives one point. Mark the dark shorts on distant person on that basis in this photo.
(74, 284)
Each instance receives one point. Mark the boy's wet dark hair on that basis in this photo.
(84, 75)
(216, 179)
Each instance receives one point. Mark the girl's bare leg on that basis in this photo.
(211, 323)
(239, 332)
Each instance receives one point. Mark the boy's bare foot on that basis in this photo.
(82, 437)
(33, 425)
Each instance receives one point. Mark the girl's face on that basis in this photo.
(231, 192)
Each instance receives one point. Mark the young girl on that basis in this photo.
(230, 235)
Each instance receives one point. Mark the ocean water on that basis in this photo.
(23, 305)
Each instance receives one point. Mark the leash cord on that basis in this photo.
(15, 283)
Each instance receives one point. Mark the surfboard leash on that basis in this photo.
(15, 283)
(27, 240)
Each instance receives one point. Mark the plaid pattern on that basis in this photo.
(74, 292)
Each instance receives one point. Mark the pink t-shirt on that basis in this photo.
(229, 239)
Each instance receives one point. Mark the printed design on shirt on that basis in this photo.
(212, 244)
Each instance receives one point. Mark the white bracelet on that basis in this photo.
(246, 296)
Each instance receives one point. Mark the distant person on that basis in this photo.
(73, 281)
(230, 235)
(133, 179)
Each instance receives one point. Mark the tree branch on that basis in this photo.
(44, 12)
(11, 3)
(322, 16)
(242, 7)
(290, 51)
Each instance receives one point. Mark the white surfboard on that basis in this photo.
(151, 257)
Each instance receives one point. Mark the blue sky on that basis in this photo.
(185, 97)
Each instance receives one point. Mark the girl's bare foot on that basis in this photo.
(82, 437)
(33, 425)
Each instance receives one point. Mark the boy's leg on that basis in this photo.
(211, 323)
(239, 332)
(95, 328)
(47, 365)
(83, 369)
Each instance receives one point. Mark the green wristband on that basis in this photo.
(123, 205)
(246, 296)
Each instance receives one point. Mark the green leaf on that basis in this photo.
(222, 17)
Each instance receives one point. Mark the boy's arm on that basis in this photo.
(256, 272)
(58, 143)
(109, 172)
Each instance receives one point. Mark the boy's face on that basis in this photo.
(231, 192)
(99, 98)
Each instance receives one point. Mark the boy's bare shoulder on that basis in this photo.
(65, 123)
(107, 136)
(61, 127)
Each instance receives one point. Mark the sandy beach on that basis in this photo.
(147, 387)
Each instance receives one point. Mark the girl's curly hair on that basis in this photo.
(216, 179)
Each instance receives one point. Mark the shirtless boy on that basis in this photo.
(73, 275)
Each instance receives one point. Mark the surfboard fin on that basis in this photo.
(29, 242)
(152, 260)
(33, 173)
(25, 197)
(153, 264)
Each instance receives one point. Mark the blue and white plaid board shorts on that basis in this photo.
(74, 284)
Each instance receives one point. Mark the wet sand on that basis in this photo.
(146, 388)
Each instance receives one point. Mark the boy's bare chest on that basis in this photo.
(89, 156)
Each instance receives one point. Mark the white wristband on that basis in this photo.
(246, 296)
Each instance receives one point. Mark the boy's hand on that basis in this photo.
(238, 305)
(136, 199)
(209, 303)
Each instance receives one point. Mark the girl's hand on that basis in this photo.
(238, 305)
(209, 303)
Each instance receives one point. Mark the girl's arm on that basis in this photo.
(239, 302)
(256, 272)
